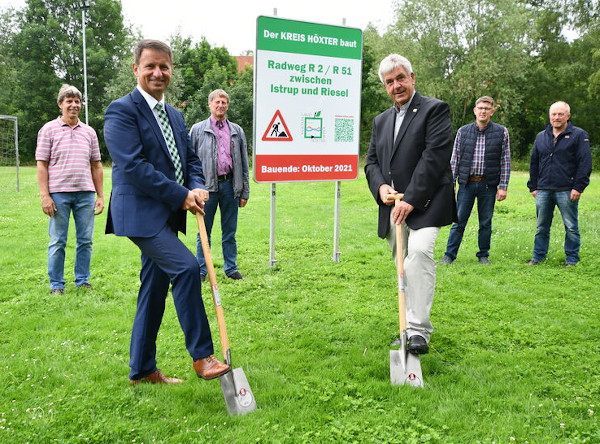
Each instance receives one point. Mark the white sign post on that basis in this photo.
(307, 88)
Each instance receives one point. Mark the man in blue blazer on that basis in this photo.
(410, 151)
(156, 178)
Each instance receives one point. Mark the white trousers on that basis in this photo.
(419, 275)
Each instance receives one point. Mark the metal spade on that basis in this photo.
(405, 367)
(234, 384)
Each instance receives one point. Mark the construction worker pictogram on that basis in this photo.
(277, 130)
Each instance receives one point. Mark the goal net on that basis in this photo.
(9, 153)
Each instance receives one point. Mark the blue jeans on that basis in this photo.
(229, 206)
(545, 202)
(465, 199)
(81, 203)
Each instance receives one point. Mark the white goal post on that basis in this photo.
(9, 145)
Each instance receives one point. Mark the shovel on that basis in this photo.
(405, 367)
(234, 384)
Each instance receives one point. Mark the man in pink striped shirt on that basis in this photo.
(70, 177)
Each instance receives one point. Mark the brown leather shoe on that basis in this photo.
(210, 367)
(156, 378)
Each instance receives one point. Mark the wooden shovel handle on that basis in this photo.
(397, 196)
(400, 271)
(214, 288)
(400, 268)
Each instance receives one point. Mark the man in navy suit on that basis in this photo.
(156, 178)
(410, 151)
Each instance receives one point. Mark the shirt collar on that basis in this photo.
(402, 110)
(151, 101)
(481, 130)
(214, 121)
(63, 123)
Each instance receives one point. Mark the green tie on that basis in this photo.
(168, 132)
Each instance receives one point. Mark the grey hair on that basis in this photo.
(218, 93)
(392, 62)
(68, 91)
(565, 104)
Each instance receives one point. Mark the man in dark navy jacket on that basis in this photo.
(156, 178)
(560, 168)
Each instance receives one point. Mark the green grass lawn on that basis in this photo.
(515, 351)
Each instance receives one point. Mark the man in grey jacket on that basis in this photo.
(221, 147)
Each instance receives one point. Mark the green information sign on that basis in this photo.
(307, 101)
(308, 38)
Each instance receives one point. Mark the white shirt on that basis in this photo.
(151, 101)
(400, 113)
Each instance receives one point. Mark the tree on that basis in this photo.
(374, 98)
(561, 69)
(194, 62)
(495, 61)
(123, 80)
(34, 50)
(197, 105)
(8, 68)
(49, 51)
(241, 110)
(463, 49)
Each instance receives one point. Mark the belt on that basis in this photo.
(224, 177)
(476, 178)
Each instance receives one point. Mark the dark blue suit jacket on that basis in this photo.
(418, 163)
(145, 195)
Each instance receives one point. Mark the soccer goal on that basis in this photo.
(9, 152)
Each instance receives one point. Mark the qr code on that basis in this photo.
(344, 130)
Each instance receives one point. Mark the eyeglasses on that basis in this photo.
(481, 108)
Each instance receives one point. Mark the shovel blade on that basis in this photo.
(405, 368)
(237, 392)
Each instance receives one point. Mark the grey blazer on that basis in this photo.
(204, 143)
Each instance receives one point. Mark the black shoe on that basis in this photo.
(85, 286)
(57, 291)
(418, 345)
(484, 260)
(236, 275)
(202, 278)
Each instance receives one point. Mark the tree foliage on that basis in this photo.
(241, 107)
(48, 51)
(197, 60)
(527, 54)
(518, 52)
(197, 106)
(374, 99)
(8, 68)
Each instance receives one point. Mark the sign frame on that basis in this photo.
(307, 98)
